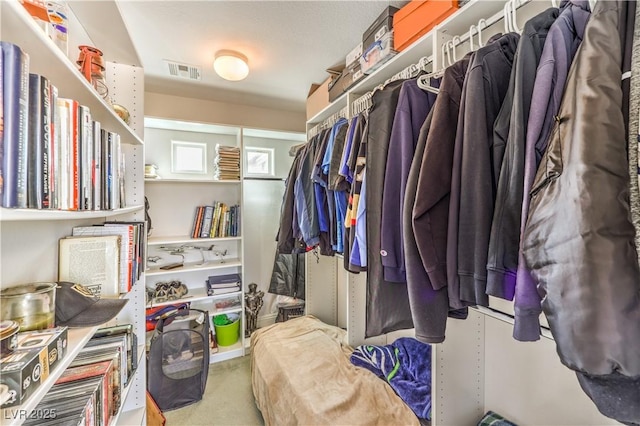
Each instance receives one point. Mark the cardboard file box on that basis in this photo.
(417, 18)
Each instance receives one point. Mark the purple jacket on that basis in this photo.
(413, 107)
(565, 35)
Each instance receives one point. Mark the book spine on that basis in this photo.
(15, 122)
(206, 222)
(86, 154)
(2, 98)
(195, 221)
(104, 142)
(96, 167)
(75, 156)
(62, 172)
(45, 143)
(199, 221)
(34, 151)
(54, 146)
(110, 170)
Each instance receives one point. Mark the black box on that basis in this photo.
(382, 25)
(22, 371)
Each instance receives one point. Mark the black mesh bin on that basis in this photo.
(178, 360)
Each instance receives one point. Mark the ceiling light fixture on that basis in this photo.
(231, 65)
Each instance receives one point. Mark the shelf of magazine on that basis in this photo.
(125, 392)
(77, 338)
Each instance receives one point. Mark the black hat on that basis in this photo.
(77, 306)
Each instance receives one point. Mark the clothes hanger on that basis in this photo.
(514, 14)
(471, 36)
(455, 41)
(592, 4)
(554, 3)
(506, 16)
(481, 22)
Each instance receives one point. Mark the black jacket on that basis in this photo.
(485, 88)
(510, 129)
(579, 240)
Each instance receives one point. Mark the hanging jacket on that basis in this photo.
(286, 238)
(563, 39)
(430, 214)
(387, 303)
(510, 129)
(287, 276)
(357, 163)
(578, 242)
(413, 106)
(304, 194)
(485, 89)
(634, 130)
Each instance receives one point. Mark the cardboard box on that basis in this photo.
(378, 28)
(318, 98)
(349, 76)
(22, 371)
(417, 18)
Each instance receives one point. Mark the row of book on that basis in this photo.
(108, 258)
(53, 155)
(90, 391)
(226, 164)
(216, 221)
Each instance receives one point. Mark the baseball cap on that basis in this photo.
(77, 306)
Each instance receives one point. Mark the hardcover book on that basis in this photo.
(91, 261)
(15, 84)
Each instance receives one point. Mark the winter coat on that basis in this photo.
(579, 241)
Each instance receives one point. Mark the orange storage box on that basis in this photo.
(417, 18)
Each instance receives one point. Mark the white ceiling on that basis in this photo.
(289, 44)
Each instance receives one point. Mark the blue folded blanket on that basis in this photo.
(406, 366)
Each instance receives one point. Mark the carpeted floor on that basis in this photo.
(228, 399)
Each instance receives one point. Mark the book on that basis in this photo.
(96, 167)
(38, 139)
(15, 84)
(93, 261)
(1, 127)
(223, 280)
(215, 291)
(126, 249)
(140, 236)
(54, 150)
(132, 342)
(198, 222)
(206, 222)
(78, 374)
(85, 143)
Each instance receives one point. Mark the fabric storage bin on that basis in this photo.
(382, 25)
(377, 54)
(417, 18)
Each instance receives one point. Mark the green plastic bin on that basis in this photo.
(227, 335)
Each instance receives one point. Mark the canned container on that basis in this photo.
(32, 306)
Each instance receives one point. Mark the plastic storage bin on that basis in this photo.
(377, 54)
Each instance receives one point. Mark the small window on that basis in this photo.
(259, 162)
(188, 157)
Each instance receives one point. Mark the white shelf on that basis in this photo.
(194, 295)
(228, 263)
(158, 241)
(45, 58)
(76, 339)
(7, 215)
(223, 182)
(227, 352)
(133, 417)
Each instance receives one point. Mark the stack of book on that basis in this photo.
(89, 392)
(223, 284)
(53, 154)
(227, 163)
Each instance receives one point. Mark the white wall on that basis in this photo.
(197, 110)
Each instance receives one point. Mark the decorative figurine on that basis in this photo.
(252, 304)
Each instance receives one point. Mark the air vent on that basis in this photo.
(190, 72)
